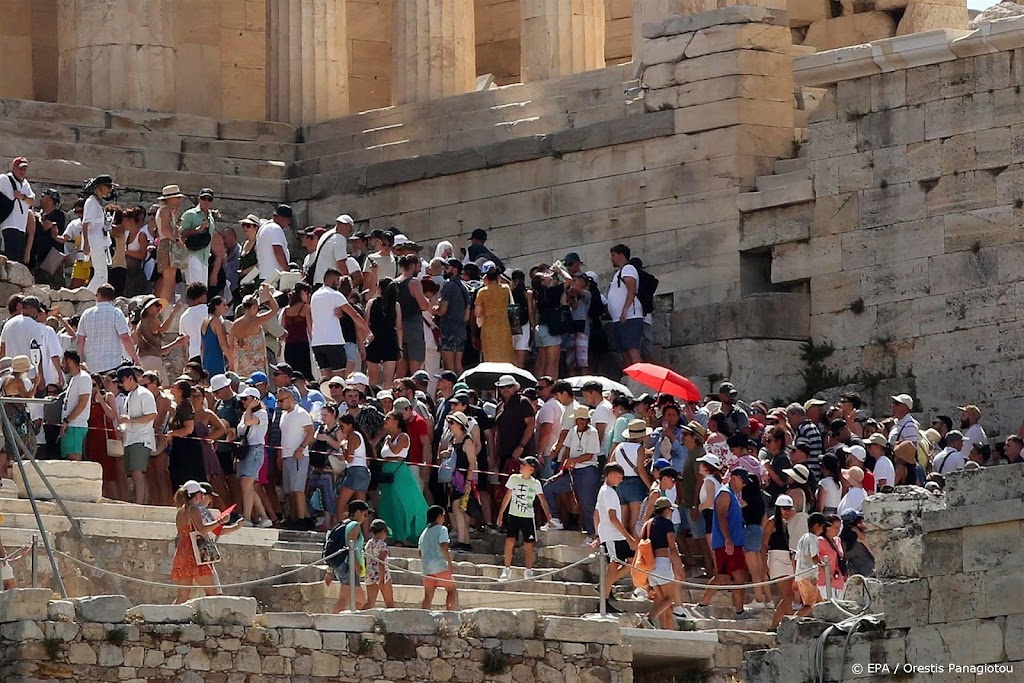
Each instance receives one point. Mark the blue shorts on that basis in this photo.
(341, 574)
(357, 478)
(543, 338)
(631, 490)
(629, 334)
(250, 466)
(753, 535)
(351, 352)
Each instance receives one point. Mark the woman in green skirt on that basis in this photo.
(402, 504)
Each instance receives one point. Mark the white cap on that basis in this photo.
(711, 460)
(337, 379)
(905, 399)
(487, 267)
(784, 501)
(251, 392)
(345, 218)
(192, 487)
(359, 378)
(592, 275)
(858, 452)
(385, 394)
(401, 239)
(218, 382)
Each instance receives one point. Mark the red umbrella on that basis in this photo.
(664, 381)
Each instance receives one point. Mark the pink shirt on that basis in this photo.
(825, 550)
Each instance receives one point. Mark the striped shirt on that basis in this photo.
(809, 431)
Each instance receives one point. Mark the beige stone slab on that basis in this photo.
(828, 34)
(806, 12)
(799, 260)
(922, 16)
(893, 204)
(731, 112)
(890, 127)
(835, 214)
(961, 192)
(738, 37)
(776, 226)
(944, 118)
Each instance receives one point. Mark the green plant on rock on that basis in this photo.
(816, 374)
(469, 629)
(379, 627)
(53, 646)
(116, 636)
(365, 647)
(495, 663)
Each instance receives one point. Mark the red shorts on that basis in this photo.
(730, 564)
(440, 580)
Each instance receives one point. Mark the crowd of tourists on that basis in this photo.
(330, 394)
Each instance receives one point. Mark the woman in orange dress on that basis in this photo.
(492, 302)
(184, 571)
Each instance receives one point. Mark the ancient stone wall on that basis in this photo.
(948, 584)
(214, 640)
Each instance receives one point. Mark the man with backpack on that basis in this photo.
(16, 202)
(337, 555)
(624, 305)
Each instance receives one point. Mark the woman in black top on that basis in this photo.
(854, 537)
(548, 295)
(667, 564)
(385, 322)
(752, 502)
(775, 545)
(523, 298)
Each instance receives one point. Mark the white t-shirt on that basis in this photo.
(138, 403)
(332, 248)
(524, 492)
(581, 444)
(19, 216)
(293, 431)
(79, 385)
(73, 230)
(549, 413)
(608, 500)
(617, 294)
(23, 336)
(884, 469)
(326, 325)
(387, 265)
(50, 348)
(853, 500)
(95, 220)
(191, 323)
(255, 434)
(603, 415)
(806, 549)
(270, 235)
(974, 435)
(568, 421)
(950, 460)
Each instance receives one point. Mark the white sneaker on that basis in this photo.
(528, 574)
(554, 524)
(265, 523)
(756, 605)
(587, 540)
(506, 574)
(639, 594)
(681, 613)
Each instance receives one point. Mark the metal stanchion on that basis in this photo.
(352, 576)
(602, 578)
(13, 448)
(828, 578)
(34, 571)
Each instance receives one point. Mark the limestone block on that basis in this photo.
(22, 604)
(19, 274)
(854, 29)
(60, 610)
(776, 225)
(585, 630)
(905, 603)
(163, 614)
(806, 12)
(993, 546)
(724, 38)
(291, 620)
(800, 260)
(990, 485)
(222, 610)
(926, 16)
(345, 623)
(562, 37)
(77, 481)
(957, 597)
(107, 609)
(944, 118)
(494, 623)
(732, 112)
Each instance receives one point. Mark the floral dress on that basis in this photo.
(251, 355)
(375, 553)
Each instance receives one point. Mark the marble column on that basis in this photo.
(307, 61)
(434, 49)
(561, 37)
(117, 54)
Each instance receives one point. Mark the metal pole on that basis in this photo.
(601, 580)
(13, 449)
(828, 578)
(352, 576)
(33, 560)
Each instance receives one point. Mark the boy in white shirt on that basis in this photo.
(807, 561)
(613, 537)
(522, 490)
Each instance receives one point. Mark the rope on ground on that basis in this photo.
(476, 581)
(725, 586)
(239, 584)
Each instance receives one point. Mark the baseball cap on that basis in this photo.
(218, 382)
(905, 399)
(345, 218)
(340, 381)
(531, 461)
(662, 503)
(251, 392)
(284, 211)
(954, 435)
(358, 235)
(487, 267)
(207, 488)
(385, 394)
(711, 460)
(281, 369)
(192, 487)
(401, 403)
(728, 388)
(858, 452)
(462, 398)
(19, 162)
(971, 409)
(421, 376)
(298, 376)
(359, 378)
(662, 463)
(206, 192)
(572, 257)
(460, 387)
(784, 501)
(258, 378)
(448, 375)
(291, 390)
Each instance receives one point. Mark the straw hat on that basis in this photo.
(697, 429)
(854, 475)
(637, 429)
(21, 364)
(906, 451)
(170, 192)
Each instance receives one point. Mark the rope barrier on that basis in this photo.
(483, 580)
(724, 586)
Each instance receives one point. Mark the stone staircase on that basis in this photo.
(790, 184)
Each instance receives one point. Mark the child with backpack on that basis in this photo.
(337, 556)
(378, 575)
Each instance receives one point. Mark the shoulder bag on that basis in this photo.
(643, 561)
(515, 315)
(204, 551)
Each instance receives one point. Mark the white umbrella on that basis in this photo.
(606, 384)
(483, 376)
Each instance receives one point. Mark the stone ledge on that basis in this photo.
(776, 315)
(739, 14)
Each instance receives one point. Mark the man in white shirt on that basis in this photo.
(951, 459)
(138, 414)
(884, 471)
(22, 335)
(331, 250)
(75, 413)
(970, 427)
(549, 419)
(50, 351)
(562, 392)
(14, 227)
(190, 324)
(380, 264)
(623, 305)
(103, 338)
(617, 542)
(272, 254)
(578, 473)
(906, 428)
(327, 305)
(293, 458)
(603, 419)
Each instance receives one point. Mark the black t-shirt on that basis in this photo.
(753, 511)
(43, 240)
(779, 463)
(511, 423)
(661, 527)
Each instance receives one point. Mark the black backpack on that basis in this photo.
(646, 287)
(6, 203)
(336, 541)
(597, 311)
